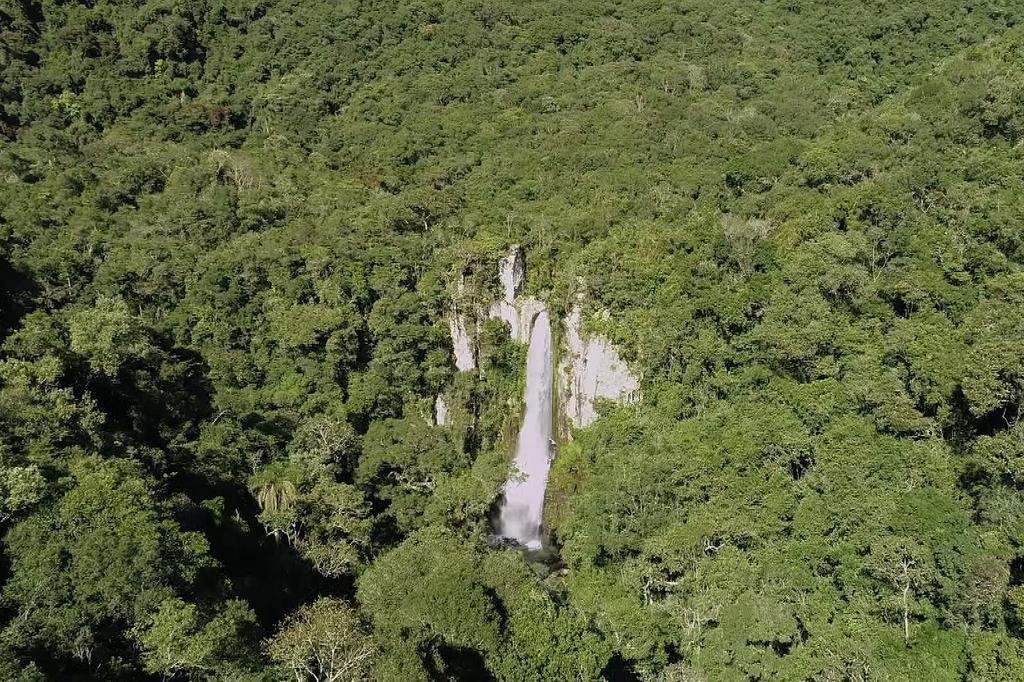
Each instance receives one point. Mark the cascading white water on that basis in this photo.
(522, 509)
(590, 369)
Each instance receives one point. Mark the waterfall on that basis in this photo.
(590, 369)
(523, 507)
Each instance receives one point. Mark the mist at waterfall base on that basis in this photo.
(522, 509)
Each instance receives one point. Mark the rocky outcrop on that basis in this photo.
(519, 313)
(440, 411)
(512, 272)
(519, 316)
(463, 345)
(589, 369)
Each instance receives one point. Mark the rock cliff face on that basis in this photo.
(512, 272)
(462, 343)
(589, 369)
(441, 411)
(518, 312)
(461, 325)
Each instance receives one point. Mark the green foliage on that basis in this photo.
(103, 563)
(406, 460)
(324, 641)
(22, 488)
(541, 640)
(230, 234)
(179, 642)
(429, 591)
(108, 336)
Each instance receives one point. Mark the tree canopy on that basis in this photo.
(230, 234)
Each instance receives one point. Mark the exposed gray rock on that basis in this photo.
(440, 411)
(590, 368)
(462, 343)
(512, 272)
(519, 313)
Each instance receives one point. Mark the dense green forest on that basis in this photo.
(229, 234)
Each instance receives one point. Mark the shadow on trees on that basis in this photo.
(445, 663)
(158, 407)
(17, 289)
(966, 427)
(620, 670)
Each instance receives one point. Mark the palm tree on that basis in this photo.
(274, 496)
